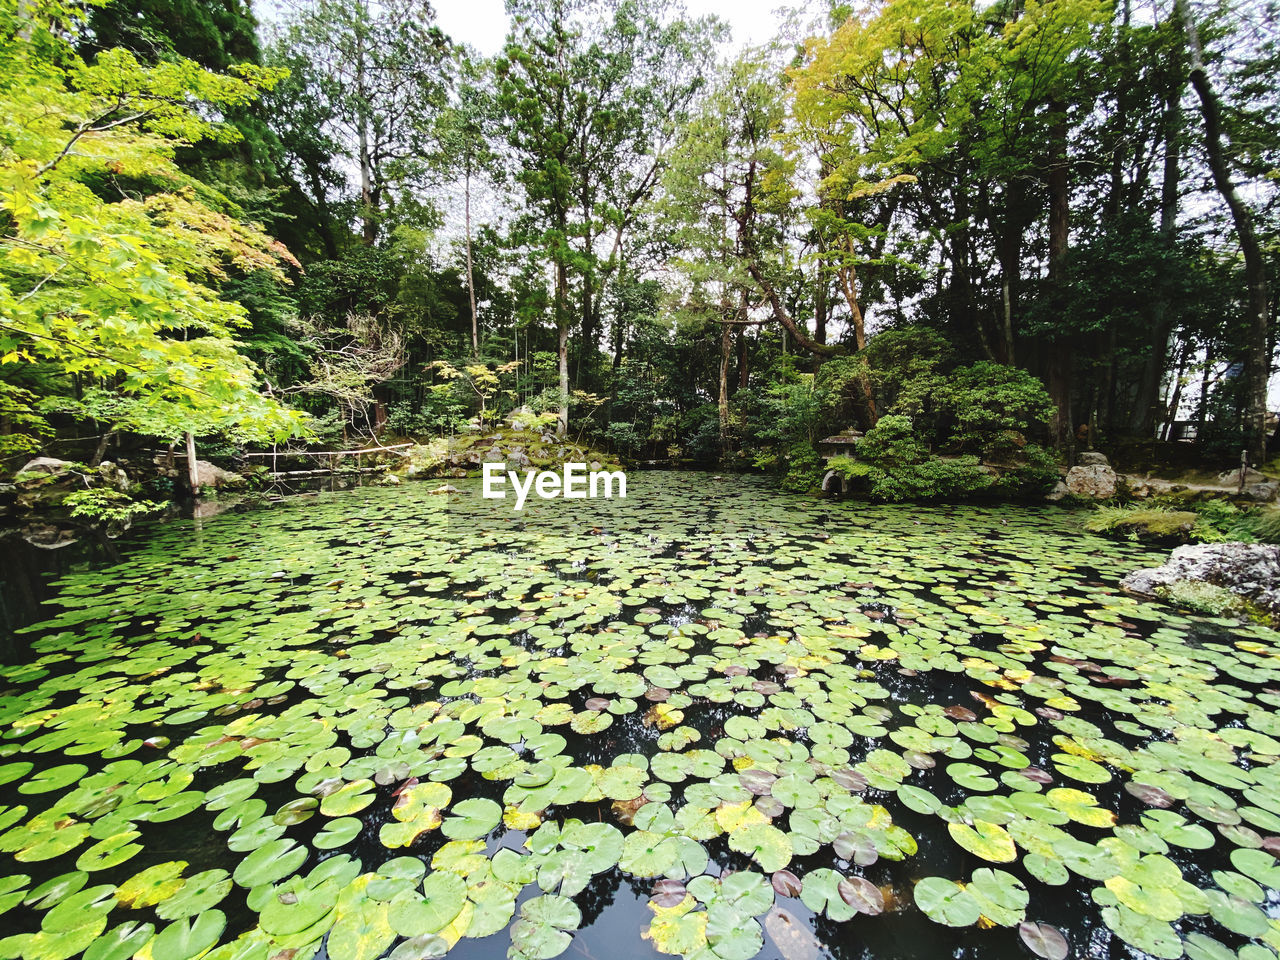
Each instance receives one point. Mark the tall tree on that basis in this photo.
(1258, 356)
(118, 290)
(376, 75)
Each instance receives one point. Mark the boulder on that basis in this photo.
(1250, 570)
(212, 476)
(50, 465)
(1058, 493)
(1092, 458)
(1263, 492)
(114, 476)
(1232, 477)
(1095, 481)
(47, 536)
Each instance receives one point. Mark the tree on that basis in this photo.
(370, 80)
(118, 290)
(593, 94)
(462, 133)
(1258, 357)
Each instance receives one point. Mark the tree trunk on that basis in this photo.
(1060, 355)
(471, 282)
(101, 450)
(1010, 264)
(726, 345)
(562, 429)
(742, 359)
(1258, 359)
(368, 220)
(1147, 406)
(193, 472)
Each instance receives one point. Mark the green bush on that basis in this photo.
(102, 506)
(804, 468)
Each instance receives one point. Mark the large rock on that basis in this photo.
(209, 475)
(1059, 492)
(1251, 570)
(1262, 492)
(50, 465)
(1092, 458)
(1094, 481)
(1232, 477)
(114, 476)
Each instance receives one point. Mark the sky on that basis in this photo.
(482, 24)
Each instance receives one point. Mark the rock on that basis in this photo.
(1232, 477)
(1095, 481)
(1059, 492)
(390, 480)
(50, 465)
(212, 476)
(1262, 492)
(1092, 458)
(446, 488)
(47, 536)
(114, 476)
(1250, 570)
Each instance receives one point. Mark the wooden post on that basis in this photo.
(193, 472)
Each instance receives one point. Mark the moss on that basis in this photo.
(1152, 523)
(1212, 600)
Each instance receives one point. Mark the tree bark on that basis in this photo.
(471, 283)
(1258, 358)
(1147, 407)
(193, 472)
(101, 450)
(1060, 355)
(368, 220)
(726, 345)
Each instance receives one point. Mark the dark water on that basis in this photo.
(316, 624)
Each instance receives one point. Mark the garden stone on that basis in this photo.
(1092, 458)
(1059, 492)
(1092, 481)
(1232, 477)
(1262, 492)
(1251, 570)
(49, 465)
(214, 476)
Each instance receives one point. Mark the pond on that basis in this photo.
(710, 720)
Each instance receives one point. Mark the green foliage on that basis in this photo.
(1157, 523)
(804, 468)
(1201, 597)
(25, 430)
(993, 406)
(103, 506)
(114, 286)
(1180, 521)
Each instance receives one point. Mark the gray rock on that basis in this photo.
(1251, 570)
(1059, 492)
(1092, 481)
(49, 465)
(1232, 477)
(1092, 458)
(114, 476)
(47, 536)
(1262, 492)
(213, 476)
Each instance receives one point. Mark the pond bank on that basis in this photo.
(426, 720)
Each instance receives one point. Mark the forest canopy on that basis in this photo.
(1018, 229)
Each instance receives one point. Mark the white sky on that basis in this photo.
(482, 24)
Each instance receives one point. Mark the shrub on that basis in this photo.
(804, 468)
